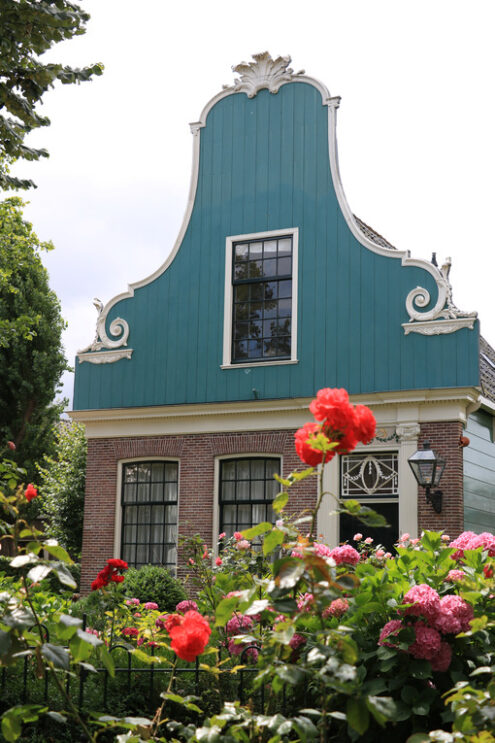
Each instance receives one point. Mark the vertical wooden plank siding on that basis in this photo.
(479, 474)
(264, 165)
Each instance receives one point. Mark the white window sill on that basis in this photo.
(259, 363)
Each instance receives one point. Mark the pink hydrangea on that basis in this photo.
(441, 661)
(305, 602)
(392, 628)
(296, 641)
(425, 601)
(345, 553)
(455, 575)
(336, 608)
(132, 602)
(453, 616)
(238, 624)
(236, 648)
(322, 550)
(427, 643)
(468, 540)
(150, 605)
(187, 605)
(160, 621)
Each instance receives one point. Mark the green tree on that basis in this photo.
(61, 482)
(29, 28)
(31, 354)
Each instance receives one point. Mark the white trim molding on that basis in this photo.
(293, 232)
(104, 357)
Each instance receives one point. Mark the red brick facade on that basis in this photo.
(196, 455)
(444, 439)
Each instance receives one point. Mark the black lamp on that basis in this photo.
(428, 467)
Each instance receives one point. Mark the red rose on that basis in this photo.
(333, 409)
(171, 620)
(116, 578)
(305, 451)
(98, 583)
(114, 562)
(190, 636)
(365, 424)
(30, 492)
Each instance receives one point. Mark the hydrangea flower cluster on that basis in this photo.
(338, 420)
(436, 617)
(239, 625)
(337, 608)
(468, 540)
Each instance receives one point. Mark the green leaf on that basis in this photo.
(387, 708)
(280, 501)
(287, 572)
(57, 717)
(305, 727)
(357, 715)
(419, 738)
(285, 606)
(256, 607)
(224, 610)
(11, 726)
(22, 560)
(53, 548)
(292, 675)
(107, 660)
(63, 575)
(272, 540)
(5, 642)
(55, 654)
(89, 638)
(257, 530)
(38, 573)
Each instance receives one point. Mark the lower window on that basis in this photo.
(373, 480)
(247, 488)
(149, 513)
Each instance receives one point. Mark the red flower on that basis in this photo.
(365, 423)
(114, 562)
(190, 636)
(488, 571)
(30, 492)
(110, 573)
(98, 583)
(171, 620)
(305, 451)
(11, 445)
(117, 578)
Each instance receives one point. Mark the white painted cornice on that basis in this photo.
(391, 409)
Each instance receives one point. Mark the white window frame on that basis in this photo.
(117, 539)
(228, 302)
(216, 493)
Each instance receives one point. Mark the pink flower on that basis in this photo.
(455, 575)
(380, 553)
(441, 661)
(427, 643)
(233, 594)
(468, 540)
(388, 555)
(322, 550)
(445, 538)
(404, 537)
(130, 631)
(368, 540)
(236, 648)
(425, 601)
(296, 553)
(237, 535)
(336, 608)
(150, 605)
(218, 561)
(357, 537)
(243, 544)
(238, 624)
(305, 602)
(453, 616)
(187, 605)
(296, 641)
(415, 541)
(11, 445)
(345, 554)
(132, 602)
(392, 628)
(221, 536)
(160, 622)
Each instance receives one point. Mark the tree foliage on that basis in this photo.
(31, 354)
(29, 28)
(61, 483)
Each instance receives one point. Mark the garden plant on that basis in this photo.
(349, 643)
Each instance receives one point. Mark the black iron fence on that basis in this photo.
(26, 684)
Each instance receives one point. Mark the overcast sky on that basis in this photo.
(415, 132)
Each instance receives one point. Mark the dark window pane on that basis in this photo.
(241, 293)
(157, 472)
(285, 246)
(284, 288)
(255, 250)
(171, 472)
(241, 330)
(250, 482)
(284, 307)
(241, 271)
(228, 470)
(255, 329)
(255, 270)
(241, 252)
(271, 289)
(254, 349)
(386, 536)
(284, 266)
(240, 350)
(144, 472)
(130, 473)
(270, 268)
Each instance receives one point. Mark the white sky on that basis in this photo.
(416, 132)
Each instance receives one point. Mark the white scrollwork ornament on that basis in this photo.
(263, 72)
(118, 328)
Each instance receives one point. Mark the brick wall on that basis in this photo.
(444, 439)
(196, 455)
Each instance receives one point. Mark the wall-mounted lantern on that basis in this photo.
(428, 467)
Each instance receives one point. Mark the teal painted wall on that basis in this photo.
(479, 474)
(264, 165)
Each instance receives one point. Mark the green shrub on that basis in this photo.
(154, 583)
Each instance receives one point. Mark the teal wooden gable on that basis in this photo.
(369, 318)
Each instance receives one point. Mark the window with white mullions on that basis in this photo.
(262, 299)
(247, 489)
(149, 513)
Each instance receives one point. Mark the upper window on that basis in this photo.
(260, 304)
(247, 488)
(149, 513)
